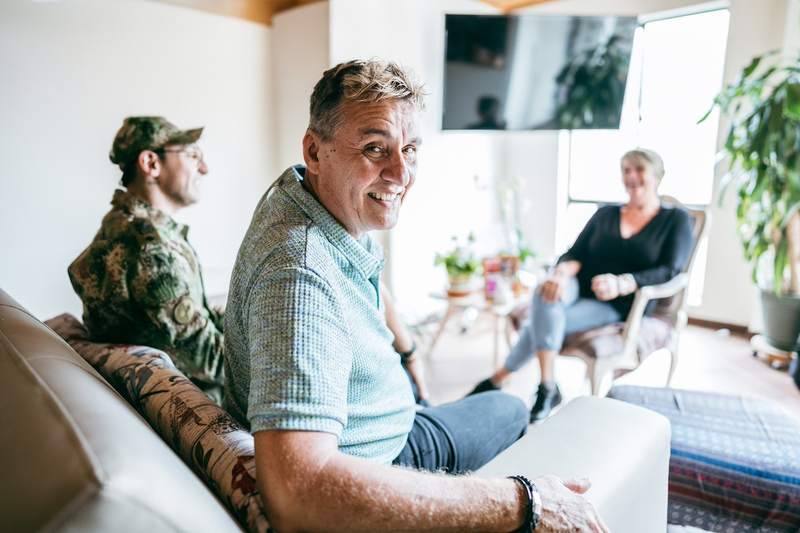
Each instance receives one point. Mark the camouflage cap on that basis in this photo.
(147, 133)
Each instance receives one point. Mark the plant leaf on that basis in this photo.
(781, 256)
(791, 107)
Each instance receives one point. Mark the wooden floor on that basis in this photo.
(709, 361)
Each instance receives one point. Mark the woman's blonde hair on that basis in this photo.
(366, 81)
(643, 155)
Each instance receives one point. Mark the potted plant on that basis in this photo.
(763, 150)
(461, 265)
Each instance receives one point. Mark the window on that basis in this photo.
(676, 70)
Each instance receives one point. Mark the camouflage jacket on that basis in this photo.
(140, 283)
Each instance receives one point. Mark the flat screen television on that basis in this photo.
(535, 72)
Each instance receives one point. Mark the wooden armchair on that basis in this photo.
(624, 345)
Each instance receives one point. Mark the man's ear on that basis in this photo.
(311, 147)
(149, 165)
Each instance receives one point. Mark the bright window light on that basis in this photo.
(676, 70)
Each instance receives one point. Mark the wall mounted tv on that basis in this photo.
(535, 72)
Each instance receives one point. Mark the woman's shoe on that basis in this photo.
(484, 386)
(547, 397)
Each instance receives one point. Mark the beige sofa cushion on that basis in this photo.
(76, 456)
(200, 432)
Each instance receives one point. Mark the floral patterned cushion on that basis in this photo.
(207, 438)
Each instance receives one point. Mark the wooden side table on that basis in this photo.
(499, 312)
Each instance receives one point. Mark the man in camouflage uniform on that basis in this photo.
(140, 279)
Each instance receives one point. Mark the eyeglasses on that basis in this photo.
(193, 153)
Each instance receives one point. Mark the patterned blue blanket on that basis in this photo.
(735, 463)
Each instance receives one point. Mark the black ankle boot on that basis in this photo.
(483, 386)
(546, 399)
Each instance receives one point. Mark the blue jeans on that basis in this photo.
(549, 323)
(464, 435)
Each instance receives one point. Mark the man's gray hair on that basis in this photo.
(650, 157)
(359, 81)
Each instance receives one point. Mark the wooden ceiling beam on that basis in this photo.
(507, 6)
(260, 11)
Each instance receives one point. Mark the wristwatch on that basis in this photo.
(408, 356)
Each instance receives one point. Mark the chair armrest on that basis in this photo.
(666, 289)
(644, 295)
(624, 449)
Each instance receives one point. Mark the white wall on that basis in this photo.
(71, 71)
(300, 40)
(791, 37)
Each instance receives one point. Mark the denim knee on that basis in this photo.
(539, 303)
(547, 324)
(521, 416)
(511, 410)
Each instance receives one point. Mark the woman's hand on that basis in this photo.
(553, 287)
(605, 287)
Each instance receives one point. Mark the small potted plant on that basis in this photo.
(462, 267)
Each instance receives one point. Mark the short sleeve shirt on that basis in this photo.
(308, 347)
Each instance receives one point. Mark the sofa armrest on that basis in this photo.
(624, 449)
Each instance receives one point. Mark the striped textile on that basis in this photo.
(735, 463)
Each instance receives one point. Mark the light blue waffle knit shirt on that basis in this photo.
(307, 346)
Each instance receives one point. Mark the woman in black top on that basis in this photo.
(621, 248)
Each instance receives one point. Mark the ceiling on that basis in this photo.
(262, 11)
(506, 6)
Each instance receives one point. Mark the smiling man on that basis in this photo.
(315, 353)
(140, 279)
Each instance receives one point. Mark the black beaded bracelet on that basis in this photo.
(533, 509)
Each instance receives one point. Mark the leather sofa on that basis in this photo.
(77, 457)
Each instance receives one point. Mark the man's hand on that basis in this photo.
(553, 287)
(565, 509)
(605, 287)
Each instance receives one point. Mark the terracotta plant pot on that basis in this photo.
(461, 285)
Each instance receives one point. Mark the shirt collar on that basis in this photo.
(365, 254)
(138, 208)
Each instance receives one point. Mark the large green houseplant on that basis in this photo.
(763, 152)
